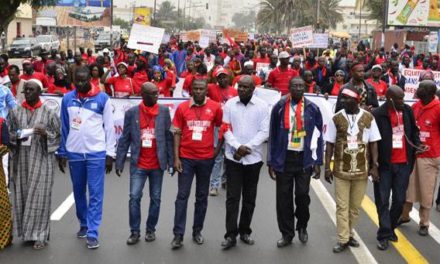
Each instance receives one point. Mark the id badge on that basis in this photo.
(147, 143)
(197, 133)
(398, 141)
(147, 139)
(76, 123)
(352, 142)
(301, 133)
(27, 143)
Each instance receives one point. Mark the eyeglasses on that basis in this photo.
(339, 75)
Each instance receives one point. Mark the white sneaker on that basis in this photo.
(213, 192)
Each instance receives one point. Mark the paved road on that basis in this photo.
(65, 248)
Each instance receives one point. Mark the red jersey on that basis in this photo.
(380, 87)
(164, 87)
(39, 66)
(130, 70)
(139, 78)
(36, 75)
(428, 120)
(188, 82)
(148, 159)
(221, 95)
(279, 79)
(122, 86)
(398, 153)
(90, 60)
(197, 126)
(379, 60)
(265, 60)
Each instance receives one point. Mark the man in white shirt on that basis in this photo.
(352, 137)
(246, 122)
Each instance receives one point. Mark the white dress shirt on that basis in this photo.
(250, 127)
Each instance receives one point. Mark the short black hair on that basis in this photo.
(83, 69)
(200, 80)
(15, 67)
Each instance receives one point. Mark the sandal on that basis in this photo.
(39, 245)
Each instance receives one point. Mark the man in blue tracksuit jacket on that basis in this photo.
(88, 143)
(295, 150)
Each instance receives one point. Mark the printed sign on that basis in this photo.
(145, 38)
(301, 37)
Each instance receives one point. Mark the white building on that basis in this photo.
(21, 25)
(356, 21)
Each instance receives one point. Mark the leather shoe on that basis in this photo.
(393, 238)
(423, 231)
(198, 238)
(402, 221)
(150, 236)
(228, 243)
(246, 238)
(353, 242)
(284, 241)
(133, 239)
(383, 244)
(177, 242)
(302, 235)
(340, 247)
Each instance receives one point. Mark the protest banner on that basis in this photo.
(412, 81)
(192, 36)
(320, 41)
(301, 37)
(237, 35)
(145, 38)
(210, 34)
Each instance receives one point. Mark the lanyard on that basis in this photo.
(351, 124)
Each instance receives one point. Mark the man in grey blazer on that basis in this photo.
(147, 133)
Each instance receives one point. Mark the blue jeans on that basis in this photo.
(202, 170)
(88, 174)
(218, 174)
(395, 179)
(137, 183)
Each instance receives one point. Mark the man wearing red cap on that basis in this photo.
(221, 93)
(367, 94)
(351, 134)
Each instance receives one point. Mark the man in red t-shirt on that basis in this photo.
(423, 180)
(379, 85)
(220, 92)
(29, 73)
(147, 134)
(280, 77)
(397, 148)
(194, 153)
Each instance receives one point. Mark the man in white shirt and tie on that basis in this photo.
(246, 126)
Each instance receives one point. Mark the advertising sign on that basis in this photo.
(422, 13)
(142, 16)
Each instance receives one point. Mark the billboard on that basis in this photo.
(418, 13)
(142, 15)
(81, 13)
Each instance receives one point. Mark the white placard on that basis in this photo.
(433, 41)
(301, 37)
(204, 42)
(320, 41)
(145, 38)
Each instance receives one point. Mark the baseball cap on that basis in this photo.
(221, 71)
(377, 66)
(283, 55)
(26, 62)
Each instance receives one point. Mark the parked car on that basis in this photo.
(103, 40)
(24, 47)
(49, 42)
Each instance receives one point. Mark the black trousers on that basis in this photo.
(294, 176)
(242, 181)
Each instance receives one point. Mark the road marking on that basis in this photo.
(362, 254)
(434, 232)
(63, 208)
(404, 247)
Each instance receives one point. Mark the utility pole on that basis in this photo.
(317, 15)
(154, 13)
(360, 18)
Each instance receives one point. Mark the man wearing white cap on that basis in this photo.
(280, 77)
(379, 85)
(34, 131)
(248, 69)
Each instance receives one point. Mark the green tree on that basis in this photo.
(377, 10)
(121, 22)
(9, 8)
(282, 15)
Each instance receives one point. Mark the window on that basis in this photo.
(18, 29)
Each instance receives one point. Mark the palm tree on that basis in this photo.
(268, 16)
(377, 10)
